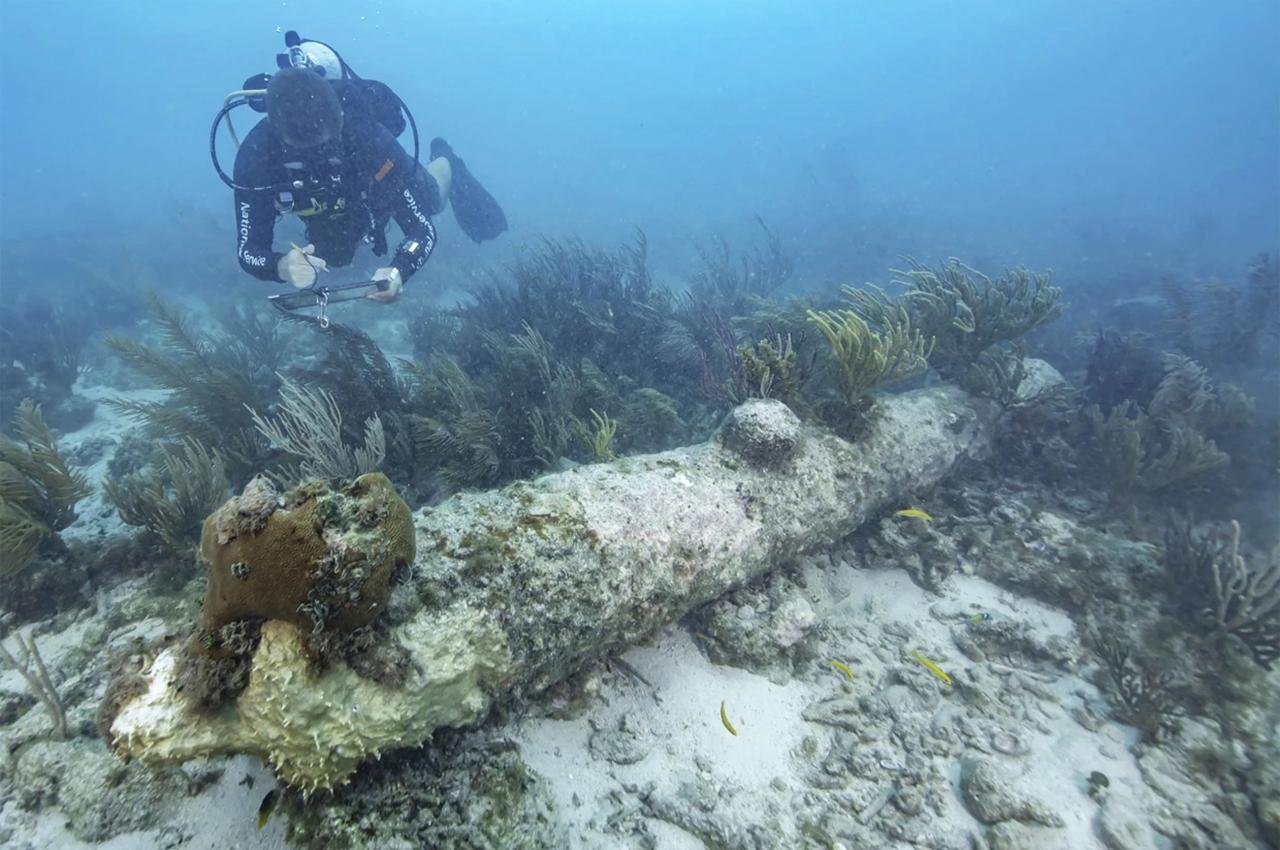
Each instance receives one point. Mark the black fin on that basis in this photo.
(476, 211)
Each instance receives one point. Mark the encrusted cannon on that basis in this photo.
(514, 589)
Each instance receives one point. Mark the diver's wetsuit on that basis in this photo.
(376, 181)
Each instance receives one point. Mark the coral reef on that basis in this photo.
(32, 668)
(38, 490)
(467, 790)
(261, 333)
(1141, 452)
(1153, 420)
(1121, 368)
(213, 383)
(41, 356)
(302, 723)
(598, 437)
(132, 454)
(511, 423)
(1210, 579)
(1226, 325)
(566, 330)
(1247, 598)
(317, 557)
(952, 623)
(653, 422)
(963, 311)
(772, 370)
(929, 554)
(998, 374)
(308, 425)
(501, 383)
(866, 359)
(519, 409)
(586, 304)
(994, 795)
(101, 797)
(758, 274)
(1197, 700)
(363, 385)
(172, 500)
(1143, 692)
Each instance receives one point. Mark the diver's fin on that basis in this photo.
(475, 210)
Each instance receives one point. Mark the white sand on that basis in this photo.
(96, 517)
(682, 724)
(223, 817)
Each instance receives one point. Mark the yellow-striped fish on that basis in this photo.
(843, 668)
(914, 513)
(938, 672)
(724, 718)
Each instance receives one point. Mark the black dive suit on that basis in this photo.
(364, 179)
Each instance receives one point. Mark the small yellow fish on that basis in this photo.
(705, 638)
(724, 718)
(267, 806)
(937, 671)
(914, 513)
(843, 668)
(979, 618)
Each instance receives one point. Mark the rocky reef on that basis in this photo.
(516, 589)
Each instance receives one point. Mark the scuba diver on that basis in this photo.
(327, 153)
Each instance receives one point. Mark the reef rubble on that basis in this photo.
(514, 590)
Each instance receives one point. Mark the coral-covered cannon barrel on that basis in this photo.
(512, 590)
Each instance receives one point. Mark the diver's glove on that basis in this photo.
(301, 266)
(391, 292)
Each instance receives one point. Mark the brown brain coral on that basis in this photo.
(317, 557)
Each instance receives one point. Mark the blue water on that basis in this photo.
(1094, 137)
